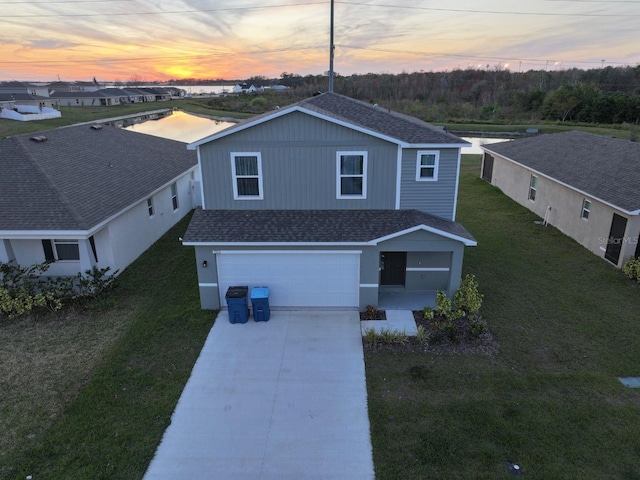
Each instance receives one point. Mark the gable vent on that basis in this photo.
(96, 127)
(38, 138)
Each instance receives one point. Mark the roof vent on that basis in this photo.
(38, 138)
(96, 127)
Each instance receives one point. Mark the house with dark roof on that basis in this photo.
(90, 195)
(585, 185)
(330, 202)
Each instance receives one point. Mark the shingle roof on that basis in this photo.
(311, 226)
(379, 121)
(80, 177)
(603, 167)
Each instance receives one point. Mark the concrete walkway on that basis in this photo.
(284, 399)
(397, 321)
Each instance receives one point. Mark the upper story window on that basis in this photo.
(427, 166)
(174, 195)
(586, 209)
(150, 206)
(61, 250)
(246, 169)
(351, 175)
(533, 188)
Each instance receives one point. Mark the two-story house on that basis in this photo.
(328, 202)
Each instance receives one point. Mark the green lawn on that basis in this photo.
(568, 325)
(107, 414)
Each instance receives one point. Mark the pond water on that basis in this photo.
(476, 142)
(186, 127)
(181, 126)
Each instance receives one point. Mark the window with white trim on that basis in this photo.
(59, 249)
(351, 175)
(174, 195)
(246, 169)
(150, 206)
(427, 166)
(586, 209)
(533, 188)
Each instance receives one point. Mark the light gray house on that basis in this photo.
(587, 186)
(328, 202)
(85, 196)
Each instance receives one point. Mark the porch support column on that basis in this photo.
(455, 270)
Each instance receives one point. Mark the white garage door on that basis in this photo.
(295, 279)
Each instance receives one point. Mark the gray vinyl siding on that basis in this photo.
(436, 198)
(298, 154)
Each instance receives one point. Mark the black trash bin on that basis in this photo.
(237, 304)
(260, 304)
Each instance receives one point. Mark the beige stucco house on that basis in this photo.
(587, 186)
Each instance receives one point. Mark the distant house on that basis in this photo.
(244, 87)
(74, 86)
(159, 94)
(588, 186)
(137, 96)
(23, 88)
(330, 202)
(84, 99)
(85, 196)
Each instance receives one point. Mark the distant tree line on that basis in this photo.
(608, 95)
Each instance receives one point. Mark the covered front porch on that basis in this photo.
(399, 298)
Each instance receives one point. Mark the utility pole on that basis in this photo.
(331, 48)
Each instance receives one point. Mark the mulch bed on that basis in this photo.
(465, 344)
(373, 314)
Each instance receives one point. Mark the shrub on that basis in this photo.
(428, 313)
(24, 289)
(371, 337)
(631, 268)
(468, 297)
(422, 335)
(478, 326)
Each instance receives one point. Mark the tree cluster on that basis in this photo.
(608, 95)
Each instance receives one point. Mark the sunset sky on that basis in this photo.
(44, 40)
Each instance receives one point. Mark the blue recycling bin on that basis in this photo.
(237, 304)
(260, 304)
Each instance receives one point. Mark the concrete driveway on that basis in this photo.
(283, 399)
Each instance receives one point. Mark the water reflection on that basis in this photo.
(180, 126)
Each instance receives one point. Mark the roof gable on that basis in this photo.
(80, 177)
(370, 119)
(601, 167)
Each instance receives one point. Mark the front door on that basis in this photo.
(616, 237)
(487, 167)
(393, 268)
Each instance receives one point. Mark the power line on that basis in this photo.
(492, 12)
(162, 12)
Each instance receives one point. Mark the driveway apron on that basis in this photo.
(283, 399)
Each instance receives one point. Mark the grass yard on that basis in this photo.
(89, 393)
(568, 324)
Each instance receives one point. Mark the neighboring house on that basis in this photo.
(328, 202)
(85, 196)
(588, 186)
